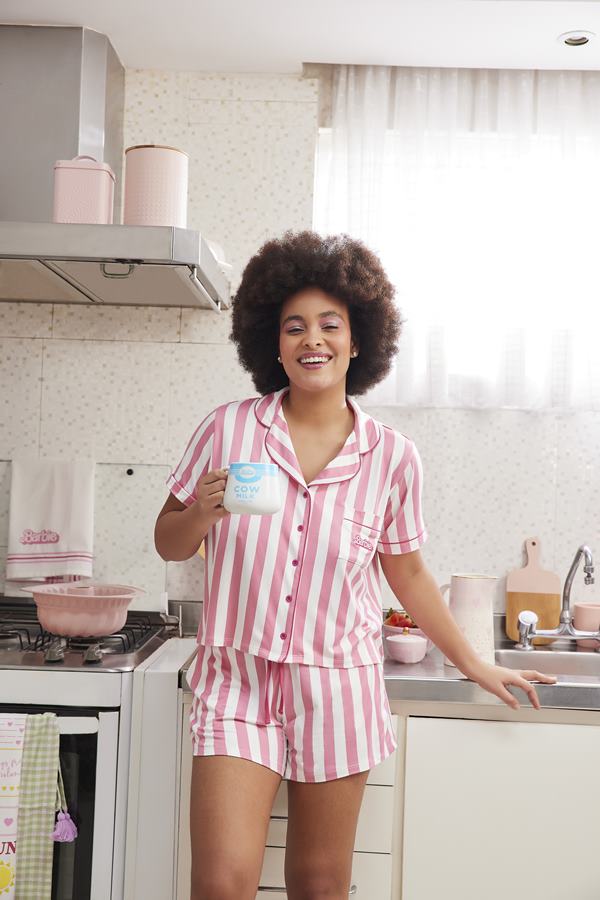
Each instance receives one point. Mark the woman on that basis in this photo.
(288, 680)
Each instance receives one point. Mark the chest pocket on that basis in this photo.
(359, 536)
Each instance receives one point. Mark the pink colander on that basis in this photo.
(83, 610)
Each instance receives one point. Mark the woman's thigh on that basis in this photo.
(322, 819)
(230, 805)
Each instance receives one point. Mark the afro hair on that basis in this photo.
(340, 266)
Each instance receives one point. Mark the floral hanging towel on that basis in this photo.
(12, 731)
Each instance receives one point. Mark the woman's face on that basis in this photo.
(315, 342)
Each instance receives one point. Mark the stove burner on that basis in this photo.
(131, 637)
(55, 651)
(93, 654)
(14, 637)
(92, 648)
(21, 633)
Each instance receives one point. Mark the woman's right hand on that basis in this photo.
(210, 490)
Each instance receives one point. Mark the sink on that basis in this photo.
(578, 664)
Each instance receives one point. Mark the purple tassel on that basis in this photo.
(66, 829)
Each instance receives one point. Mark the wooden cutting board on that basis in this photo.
(532, 588)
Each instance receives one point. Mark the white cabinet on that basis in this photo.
(372, 859)
(371, 875)
(500, 809)
(183, 868)
(374, 829)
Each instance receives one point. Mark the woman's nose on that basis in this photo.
(312, 339)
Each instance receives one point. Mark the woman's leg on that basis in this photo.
(231, 803)
(322, 819)
(338, 726)
(239, 759)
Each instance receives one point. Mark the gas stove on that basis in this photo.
(101, 690)
(25, 644)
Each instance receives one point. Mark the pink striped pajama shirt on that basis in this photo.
(298, 590)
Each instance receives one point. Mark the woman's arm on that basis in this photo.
(180, 529)
(419, 595)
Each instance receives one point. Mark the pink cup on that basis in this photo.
(586, 617)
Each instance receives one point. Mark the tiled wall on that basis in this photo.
(493, 478)
(128, 385)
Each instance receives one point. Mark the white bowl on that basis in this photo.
(407, 648)
(389, 630)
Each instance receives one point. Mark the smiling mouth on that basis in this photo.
(317, 361)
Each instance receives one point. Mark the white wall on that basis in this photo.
(128, 386)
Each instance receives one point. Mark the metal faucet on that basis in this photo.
(528, 620)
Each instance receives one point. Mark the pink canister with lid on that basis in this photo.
(156, 180)
(83, 191)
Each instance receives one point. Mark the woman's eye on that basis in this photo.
(331, 327)
(293, 330)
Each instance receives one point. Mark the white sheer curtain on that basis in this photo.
(480, 191)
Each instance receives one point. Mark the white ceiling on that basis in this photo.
(280, 35)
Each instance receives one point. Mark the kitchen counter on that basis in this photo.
(432, 681)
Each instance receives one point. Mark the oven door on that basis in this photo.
(82, 870)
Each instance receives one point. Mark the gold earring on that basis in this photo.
(354, 353)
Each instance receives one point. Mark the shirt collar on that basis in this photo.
(365, 436)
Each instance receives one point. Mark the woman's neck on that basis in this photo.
(319, 410)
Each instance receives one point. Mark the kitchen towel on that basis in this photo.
(12, 728)
(37, 807)
(51, 521)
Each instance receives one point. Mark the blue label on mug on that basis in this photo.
(247, 473)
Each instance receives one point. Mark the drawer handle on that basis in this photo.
(353, 889)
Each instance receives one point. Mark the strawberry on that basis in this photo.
(399, 619)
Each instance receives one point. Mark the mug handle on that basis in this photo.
(443, 591)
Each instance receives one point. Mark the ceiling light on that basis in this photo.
(576, 38)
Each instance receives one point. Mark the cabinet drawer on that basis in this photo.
(375, 822)
(383, 774)
(371, 875)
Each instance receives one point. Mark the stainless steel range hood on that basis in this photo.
(113, 264)
(61, 95)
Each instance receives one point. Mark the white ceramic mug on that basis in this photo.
(253, 488)
(472, 608)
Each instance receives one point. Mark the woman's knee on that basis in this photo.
(228, 883)
(315, 885)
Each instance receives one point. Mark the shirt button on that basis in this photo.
(300, 527)
(305, 494)
(294, 562)
(283, 635)
(288, 599)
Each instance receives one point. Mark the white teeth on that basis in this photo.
(314, 359)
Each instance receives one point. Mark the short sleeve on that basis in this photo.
(403, 525)
(195, 462)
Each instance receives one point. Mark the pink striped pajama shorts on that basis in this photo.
(308, 723)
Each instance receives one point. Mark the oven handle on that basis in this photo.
(77, 724)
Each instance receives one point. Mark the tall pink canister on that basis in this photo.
(156, 180)
(83, 191)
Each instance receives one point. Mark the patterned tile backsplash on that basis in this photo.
(128, 385)
(251, 144)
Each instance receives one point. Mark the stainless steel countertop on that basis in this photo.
(432, 681)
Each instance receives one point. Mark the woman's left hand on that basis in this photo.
(495, 678)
